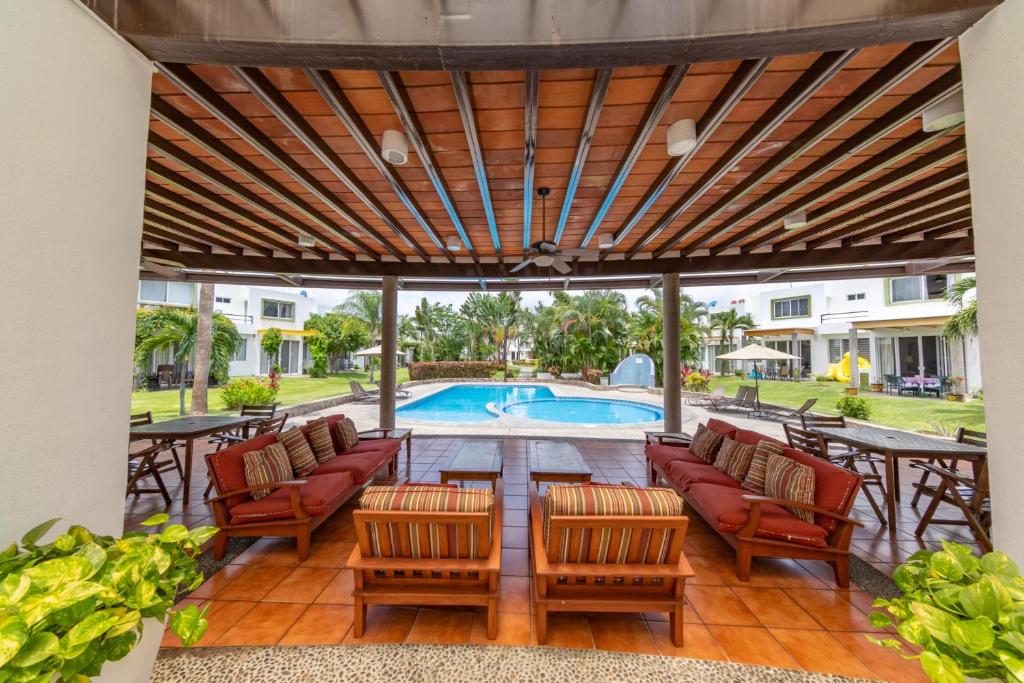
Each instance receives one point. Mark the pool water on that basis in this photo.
(468, 403)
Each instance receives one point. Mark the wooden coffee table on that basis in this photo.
(558, 461)
(392, 433)
(476, 460)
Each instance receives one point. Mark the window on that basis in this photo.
(859, 296)
(240, 351)
(179, 293)
(284, 310)
(837, 347)
(916, 288)
(796, 307)
(222, 299)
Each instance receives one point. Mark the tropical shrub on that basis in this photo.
(511, 372)
(454, 370)
(554, 370)
(318, 349)
(965, 612)
(592, 375)
(247, 391)
(697, 380)
(824, 378)
(70, 606)
(854, 406)
(271, 344)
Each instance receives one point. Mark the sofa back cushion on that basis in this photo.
(299, 451)
(753, 438)
(734, 458)
(834, 486)
(408, 538)
(754, 479)
(706, 443)
(319, 436)
(722, 427)
(605, 544)
(227, 467)
(786, 478)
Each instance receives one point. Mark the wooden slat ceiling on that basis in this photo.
(249, 162)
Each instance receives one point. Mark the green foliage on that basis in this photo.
(70, 606)
(589, 330)
(963, 323)
(342, 334)
(454, 370)
(646, 329)
(365, 306)
(697, 381)
(854, 406)
(170, 327)
(966, 612)
(247, 391)
(271, 345)
(511, 372)
(592, 375)
(318, 349)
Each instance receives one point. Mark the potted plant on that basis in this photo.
(956, 388)
(71, 606)
(966, 613)
(877, 387)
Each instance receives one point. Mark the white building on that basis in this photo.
(898, 320)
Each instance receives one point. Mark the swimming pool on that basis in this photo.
(469, 403)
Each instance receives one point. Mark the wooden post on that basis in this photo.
(389, 351)
(670, 348)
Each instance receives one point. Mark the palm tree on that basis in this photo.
(647, 330)
(204, 334)
(177, 329)
(364, 305)
(963, 323)
(728, 322)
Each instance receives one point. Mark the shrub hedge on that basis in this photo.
(472, 369)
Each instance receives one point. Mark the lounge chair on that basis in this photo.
(745, 399)
(364, 396)
(710, 400)
(797, 414)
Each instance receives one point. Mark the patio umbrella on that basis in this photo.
(373, 351)
(754, 353)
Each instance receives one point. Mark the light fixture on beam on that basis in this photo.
(453, 244)
(306, 241)
(605, 240)
(682, 137)
(945, 114)
(797, 219)
(394, 148)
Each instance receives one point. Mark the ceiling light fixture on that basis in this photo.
(945, 114)
(306, 241)
(797, 219)
(606, 240)
(682, 137)
(394, 148)
(453, 244)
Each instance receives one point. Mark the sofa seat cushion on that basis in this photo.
(389, 446)
(663, 455)
(318, 495)
(360, 465)
(686, 474)
(724, 507)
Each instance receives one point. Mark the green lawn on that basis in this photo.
(917, 414)
(164, 404)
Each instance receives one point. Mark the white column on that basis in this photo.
(388, 351)
(993, 69)
(671, 366)
(73, 124)
(854, 365)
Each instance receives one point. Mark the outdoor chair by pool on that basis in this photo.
(740, 400)
(264, 412)
(969, 494)
(798, 413)
(373, 396)
(146, 418)
(427, 544)
(143, 464)
(608, 548)
(710, 400)
(963, 435)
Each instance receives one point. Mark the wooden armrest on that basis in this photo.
(757, 501)
(294, 483)
(668, 571)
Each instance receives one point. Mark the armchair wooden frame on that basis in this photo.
(605, 587)
(447, 580)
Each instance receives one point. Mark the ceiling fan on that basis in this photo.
(544, 254)
(167, 268)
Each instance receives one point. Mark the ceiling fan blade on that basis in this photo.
(521, 265)
(560, 265)
(579, 252)
(163, 268)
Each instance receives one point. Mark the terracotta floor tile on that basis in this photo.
(751, 645)
(569, 630)
(622, 635)
(223, 615)
(332, 554)
(690, 615)
(705, 572)
(777, 573)
(698, 643)
(320, 625)
(254, 583)
(831, 610)
(264, 624)
(773, 607)
(817, 650)
(444, 626)
(513, 629)
(385, 624)
(883, 662)
(515, 562)
(719, 605)
(218, 581)
(514, 595)
(304, 584)
(276, 551)
(338, 591)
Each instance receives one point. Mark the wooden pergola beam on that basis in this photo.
(531, 99)
(936, 228)
(912, 213)
(154, 218)
(464, 99)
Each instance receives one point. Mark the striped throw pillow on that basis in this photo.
(786, 478)
(320, 436)
(299, 453)
(426, 540)
(277, 456)
(706, 443)
(610, 545)
(754, 480)
(348, 437)
(734, 458)
(262, 467)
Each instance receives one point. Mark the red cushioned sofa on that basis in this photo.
(293, 508)
(758, 526)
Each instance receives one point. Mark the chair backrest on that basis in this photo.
(808, 421)
(971, 437)
(357, 389)
(264, 411)
(272, 426)
(784, 370)
(805, 407)
(742, 393)
(718, 392)
(806, 441)
(140, 419)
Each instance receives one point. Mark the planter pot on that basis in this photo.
(956, 397)
(876, 387)
(850, 391)
(543, 375)
(604, 381)
(138, 665)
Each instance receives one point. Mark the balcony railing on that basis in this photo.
(847, 315)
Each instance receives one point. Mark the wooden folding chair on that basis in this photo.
(143, 464)
(969, 494)
(963, 435)
(146, 418)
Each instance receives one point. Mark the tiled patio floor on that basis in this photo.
(789, 614)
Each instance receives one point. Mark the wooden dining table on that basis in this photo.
(187, 430)
(893, 444)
